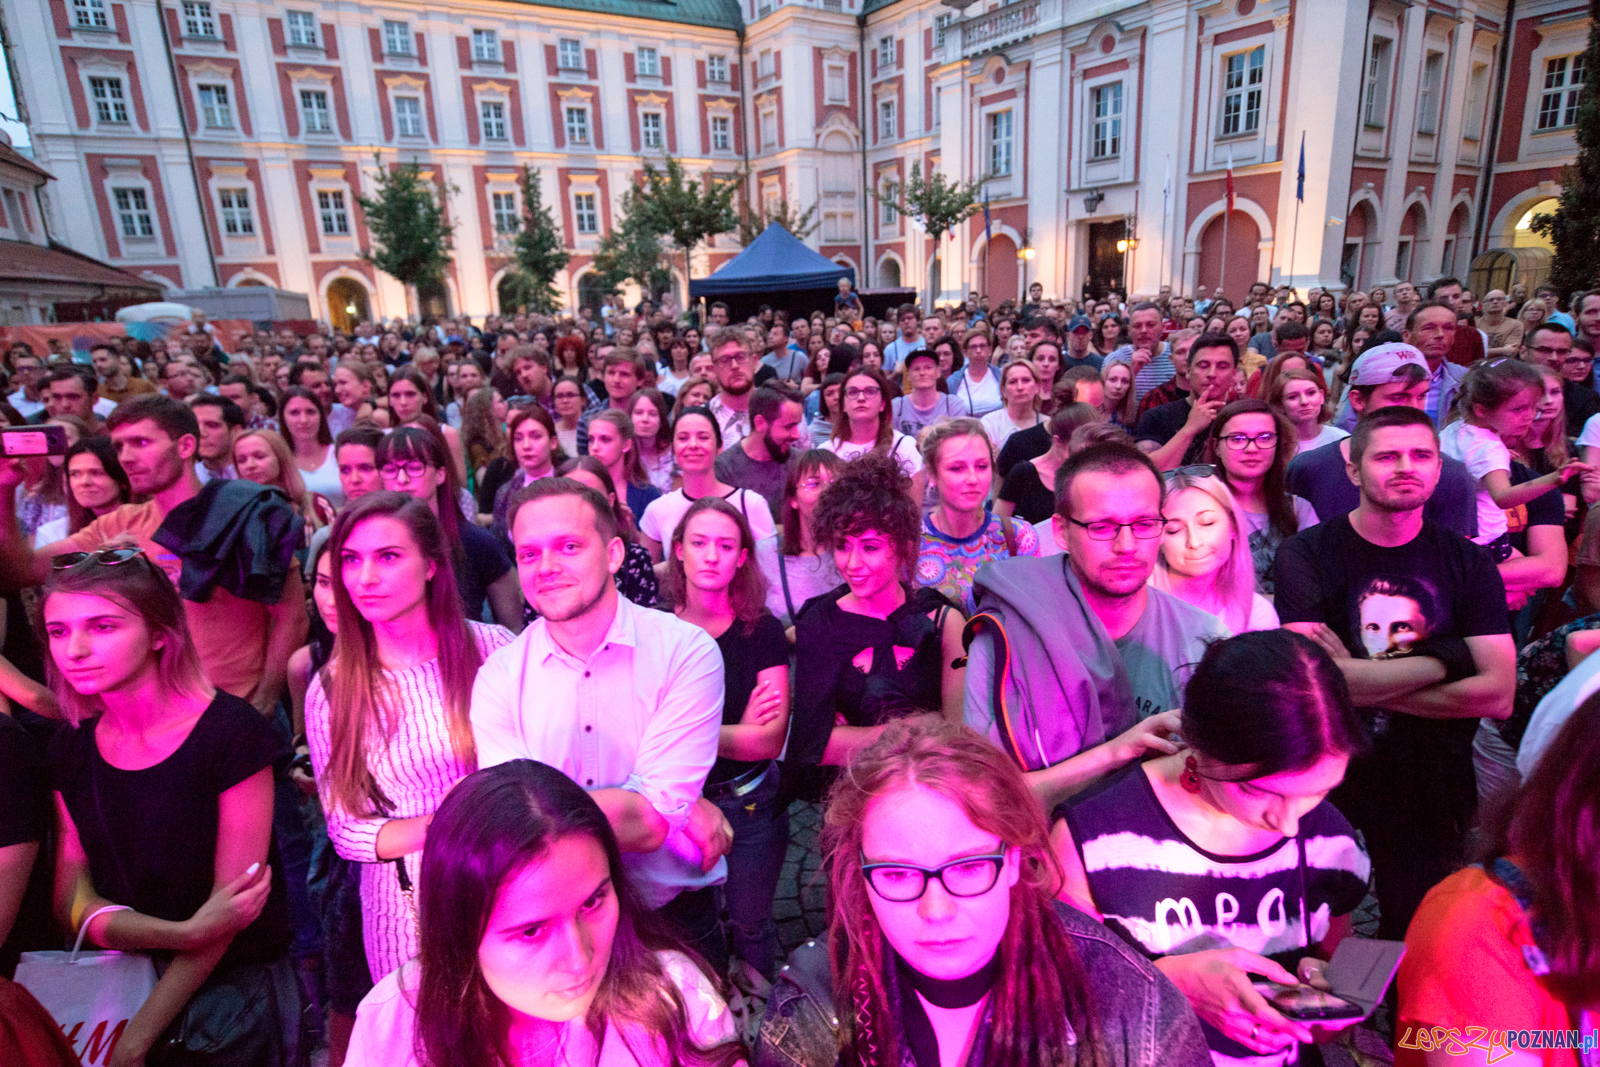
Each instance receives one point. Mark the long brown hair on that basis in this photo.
(424, 442)
(632, 467)
(1280, 508)
(801, 467)
(748, 590)
(1042, 997)
(359, 697)
(841, 422)
(619, 509)
(289, 477)
(430, 406)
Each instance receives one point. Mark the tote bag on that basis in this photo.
(90, 995)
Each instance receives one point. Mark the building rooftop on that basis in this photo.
(22, 261)
(717, 14)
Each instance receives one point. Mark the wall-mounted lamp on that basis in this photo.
(1092, 202)
(1025, 253)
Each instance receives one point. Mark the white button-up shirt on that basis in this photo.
(644, 713)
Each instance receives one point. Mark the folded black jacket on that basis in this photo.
(235, 535)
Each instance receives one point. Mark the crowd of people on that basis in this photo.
(443, 692)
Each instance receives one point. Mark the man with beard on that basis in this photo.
(733, 363)
(1414, 794)
(759, 462)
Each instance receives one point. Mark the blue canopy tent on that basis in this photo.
(776, 268)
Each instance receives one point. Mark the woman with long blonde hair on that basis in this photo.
(264, 457)
(387, 718)
(1205, 552)
(944, 935)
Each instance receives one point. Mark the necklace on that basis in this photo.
(952, 993)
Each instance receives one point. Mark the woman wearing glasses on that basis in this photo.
(867, 423)
(164, 783)
(946, 944)
(794, 563)
(1250, 445)
(413, 461)
(1235, 833)
(976, 383)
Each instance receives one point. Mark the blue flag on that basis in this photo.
(986, 215)
(1300, 178)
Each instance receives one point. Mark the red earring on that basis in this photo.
(1190, 776)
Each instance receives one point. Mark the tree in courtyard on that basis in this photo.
(410, 235)
(686, 208)
(933, 203)
(1574, 227)
(800, 223)
(631, 251)
(538, 252)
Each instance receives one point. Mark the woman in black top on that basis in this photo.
(714, 582)
(166, 784)
(875, 648)
(1029, 489)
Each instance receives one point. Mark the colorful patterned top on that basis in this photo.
(949, 564)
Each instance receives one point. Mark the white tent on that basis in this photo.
(161, 311)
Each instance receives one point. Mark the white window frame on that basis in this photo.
(233, 206)
(717, 68)
(652, 129)
(941, 26)
(647, 62)
(408, 122)
(486, 47)
(888, 119)
(886, 50)
(585, 212)
(577, 132)
(569, 54)
(1564, 78)
(1375, 93)
(721, 127)
(1428, 92)
(838, 227)
(503, 209)
(999, 129)
(316, 116)
(397, 39)
(890, 214)
(765, 67)
(836, 73)
(135, 220)
(1244, 78)
(1105, 120)
(492, 120)
(198, 19)
(216, 109)
(90, 15)
(333, 213)
(110, 99)
(769, 127)
(302, 28)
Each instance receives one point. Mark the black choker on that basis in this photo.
(951, 992)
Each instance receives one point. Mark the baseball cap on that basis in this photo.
(1378, 366)
(1079, 322)
(920, 353)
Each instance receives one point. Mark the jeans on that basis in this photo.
(1495, 763)
(760, 842)
(294, 848)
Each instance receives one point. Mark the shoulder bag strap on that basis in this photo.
(783, 579)
(1009, 529)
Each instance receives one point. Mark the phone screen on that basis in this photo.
(1308, 1002)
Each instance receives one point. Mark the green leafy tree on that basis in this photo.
(1574, 227)
(685, 208)
(800, 223)
(410, 235)
(632, 251)
(933, 203)
(538, 251)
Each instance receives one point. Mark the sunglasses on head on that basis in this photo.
(105, 557)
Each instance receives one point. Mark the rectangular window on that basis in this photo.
(717, 68)
(13, 214)
(839, 226)
(397, 38)
(1476, 95)
(650, 129)
(890, 216)
(506, 219)
(721, 134)
(648, 63)
(1242, 78)
(486, 46)
(408, 116)
(1000, 142)
(133, 212)
(941, 26)
(885, 52)
(577, 125)
(938, 110)
(214, 106)
(584, 217)
(888, 126)
(492, 115)
(569, 54)
(769, 128)
(236, 218)
(302, 28)
(335, 220)
(1106, 131)
(197, 20)
(1563, 85)
(1377, 106)
(109, 104)
(1402, 260)
(764, 66)
(1428, 94)
(836, 84)
(314, 111)
(90, 14)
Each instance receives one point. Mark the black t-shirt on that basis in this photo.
(745, 654)
(1023, 446)
(151, 835)
(480, 564)
(1547, 510)
(26, 815)
(497, 473)
(1027, 493)
(1162, 423)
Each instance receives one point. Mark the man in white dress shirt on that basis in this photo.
(625, 700)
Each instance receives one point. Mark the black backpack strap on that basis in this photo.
(1009, 738)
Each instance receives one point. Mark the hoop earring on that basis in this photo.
(1190, 778)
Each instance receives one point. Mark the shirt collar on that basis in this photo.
(623, 631)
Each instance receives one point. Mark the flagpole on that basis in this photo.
(1299, 195)
(1227, 209)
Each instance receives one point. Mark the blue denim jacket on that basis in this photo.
(1144, 1021)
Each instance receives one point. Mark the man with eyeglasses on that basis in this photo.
(1414, 616)
(1555, 347)
(1074, 663)
(734, 365)
(27, 370)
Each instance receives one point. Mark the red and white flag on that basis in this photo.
(1230, 177)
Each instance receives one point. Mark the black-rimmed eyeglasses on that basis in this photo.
(901, 883)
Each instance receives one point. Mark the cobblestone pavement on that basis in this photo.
(801, 906)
